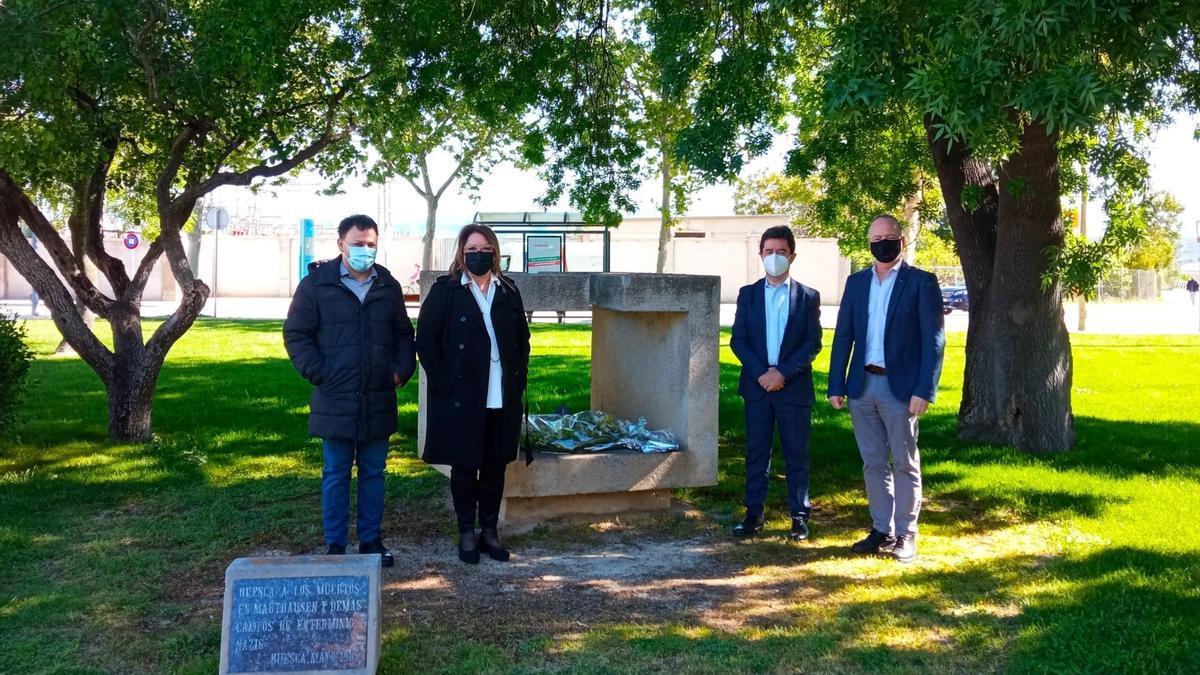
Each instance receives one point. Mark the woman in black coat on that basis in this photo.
(473, 344)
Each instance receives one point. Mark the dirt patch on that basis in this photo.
(570, 578)
(697, 580)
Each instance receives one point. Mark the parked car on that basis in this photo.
(955, 297)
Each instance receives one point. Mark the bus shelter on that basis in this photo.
(545, 236)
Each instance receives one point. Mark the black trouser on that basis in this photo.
(481, 489)
(795, 424)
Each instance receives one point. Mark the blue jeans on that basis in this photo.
(340, 455)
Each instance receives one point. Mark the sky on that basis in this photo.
(1174, 156)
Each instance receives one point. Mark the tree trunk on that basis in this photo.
(431, 207)
(912, 227)
(667, 220)
(129, 407)
(1017, 385)
(1028, 402)
(132, 381)
(193, 249)
(1011, 394)
(76, 225)
(195, 234)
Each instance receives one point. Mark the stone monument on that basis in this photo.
(655, 344)
(301, 615)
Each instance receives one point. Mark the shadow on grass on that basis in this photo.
(1108, 610)
(1105, 447)
(129, 541)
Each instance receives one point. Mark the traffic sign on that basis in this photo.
(131, 240)
(216, 218)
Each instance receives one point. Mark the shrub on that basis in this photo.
(15, 357)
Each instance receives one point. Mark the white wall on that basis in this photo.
(729, 249)
(14, 287)
(266, 266)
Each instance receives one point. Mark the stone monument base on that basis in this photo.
(601, 483)
(521, 514)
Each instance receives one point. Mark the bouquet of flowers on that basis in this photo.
(594, 431)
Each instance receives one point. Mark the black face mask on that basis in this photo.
(885, 250)
(480, 262)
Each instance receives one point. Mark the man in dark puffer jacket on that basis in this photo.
(348, 333)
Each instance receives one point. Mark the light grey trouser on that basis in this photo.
(882, 426)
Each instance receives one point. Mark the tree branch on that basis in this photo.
(424, 164)
(248, 176)
(243, 178)
(414, 186)
(91, 204)
(473, 151)
(230, 148)
(178, 323)
(137, 285)
(48, 285)
(170, 171)
(172, 245)
(59, 252)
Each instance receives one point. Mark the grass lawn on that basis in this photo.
(112, 557)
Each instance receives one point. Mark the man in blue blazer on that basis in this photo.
(890, 337)
(776, 336)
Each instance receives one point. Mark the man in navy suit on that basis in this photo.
(776, 336)
(891, 316)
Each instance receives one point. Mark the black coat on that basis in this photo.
(350, 350)
(455, 354)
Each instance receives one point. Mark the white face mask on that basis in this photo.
(776, 264)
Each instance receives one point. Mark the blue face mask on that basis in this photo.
(360, 257)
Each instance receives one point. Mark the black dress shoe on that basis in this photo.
(335, 549)
(905, 549)
(799, 530)
(468, 549)
(874, 542)
(489, 543)
(385, 556)
(750, 526)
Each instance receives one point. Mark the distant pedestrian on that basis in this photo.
(1193, 287)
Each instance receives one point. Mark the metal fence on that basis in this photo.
(1118, 283)
(948, 276)
(1125, 284)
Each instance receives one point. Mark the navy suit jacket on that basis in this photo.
(800, 345)
(914, 336)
